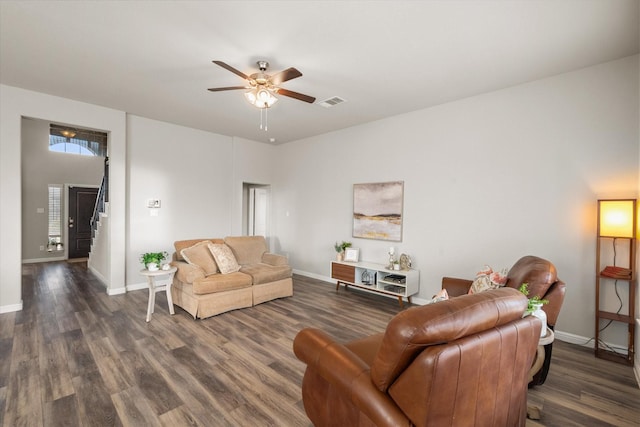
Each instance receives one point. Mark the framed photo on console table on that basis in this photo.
(351, 254)
(377, 210)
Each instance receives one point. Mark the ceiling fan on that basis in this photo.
(262, 86)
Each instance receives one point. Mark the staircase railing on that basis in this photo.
(101, 199)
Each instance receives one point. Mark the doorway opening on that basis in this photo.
(255, 209)
(58, 190)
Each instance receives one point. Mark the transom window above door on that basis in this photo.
(73, 140)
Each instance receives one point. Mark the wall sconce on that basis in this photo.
(616, 218)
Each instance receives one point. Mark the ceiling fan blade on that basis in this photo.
(296, 95)
(230, 68)
(218, 89)
(283, 76)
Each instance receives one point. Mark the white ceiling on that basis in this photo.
(153, 59)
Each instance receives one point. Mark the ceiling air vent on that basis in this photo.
(332, 102)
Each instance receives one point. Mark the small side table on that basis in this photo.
(153, 287)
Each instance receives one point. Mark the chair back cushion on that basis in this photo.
(476, 380)
(417, 328)
(539, 273)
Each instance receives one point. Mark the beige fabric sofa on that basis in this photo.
(262, 277)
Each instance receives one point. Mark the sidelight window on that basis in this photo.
(54, 241)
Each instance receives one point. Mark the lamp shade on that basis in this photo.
(616, 218)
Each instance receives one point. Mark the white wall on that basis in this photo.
(253, 163)
(637, 308)
(488, 179)
(198, 178)
(190, 171)
(16, 103)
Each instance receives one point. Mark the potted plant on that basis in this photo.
(340, 247)
(534, 302)
(534, 307)
(152, 260)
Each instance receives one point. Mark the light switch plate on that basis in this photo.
(153, 203)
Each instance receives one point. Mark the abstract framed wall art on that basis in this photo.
(377, 210)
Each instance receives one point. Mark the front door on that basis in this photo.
(82, 200)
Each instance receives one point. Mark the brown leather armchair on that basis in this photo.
(464, 361)
(542, 277)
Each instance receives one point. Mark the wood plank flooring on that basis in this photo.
(75, 356)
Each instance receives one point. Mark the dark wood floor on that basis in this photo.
(77, 357)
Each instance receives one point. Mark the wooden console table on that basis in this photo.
(376, 278)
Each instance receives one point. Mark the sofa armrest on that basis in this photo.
(274, 259)
(348, 374)
(456, 287)
(187, 273)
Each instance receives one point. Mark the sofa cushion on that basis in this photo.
(179, 245)
(247, 249)
(224, 258)
(221, 282)
(274, 259)
(264, 273)
(200, 255)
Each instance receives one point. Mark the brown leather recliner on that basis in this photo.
(464, 361)
(542, 277)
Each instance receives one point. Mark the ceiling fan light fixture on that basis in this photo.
(260, 97)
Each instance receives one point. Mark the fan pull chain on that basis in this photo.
(266, 117)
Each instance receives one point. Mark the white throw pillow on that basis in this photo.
(224, 257)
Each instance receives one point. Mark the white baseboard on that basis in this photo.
(116, 291)
(50, 259)
(137, 286)
(313, 276)
(10, 308)
(636, 365)
(562, 336)
(414, 300)
(99, 275)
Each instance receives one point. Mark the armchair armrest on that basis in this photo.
(187, 273)
(456, 287)
(555, 296)
(274, 259)
(348, 374)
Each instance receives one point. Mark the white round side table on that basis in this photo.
(152, 276)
